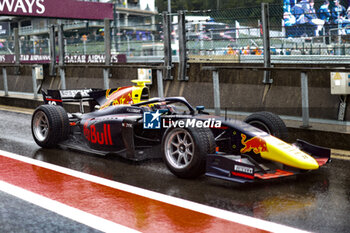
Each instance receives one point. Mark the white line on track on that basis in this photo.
(27, 111)
(340, 157)
(77, 215)
(211, 211)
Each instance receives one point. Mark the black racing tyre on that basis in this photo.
(50, 125)
(268, 122)
(185, 150)
(64, 123)
(211, 141)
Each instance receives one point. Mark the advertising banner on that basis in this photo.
(69, 59)
(69, 9)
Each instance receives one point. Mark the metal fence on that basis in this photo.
(83, 44)
(33, 47)
(223, 34)
(303, 32)
(133, 38)
(26, 46)
(144, 39)
(7, 46)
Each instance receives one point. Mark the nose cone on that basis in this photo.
(282, 152)
(307, 163)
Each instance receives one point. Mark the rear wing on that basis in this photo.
(58, 97)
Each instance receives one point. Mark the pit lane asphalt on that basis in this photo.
(317, 201)
(18, 216)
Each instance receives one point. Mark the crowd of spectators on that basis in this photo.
(307, 20)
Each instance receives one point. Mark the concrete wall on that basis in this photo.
(241, 90)
(21, 82)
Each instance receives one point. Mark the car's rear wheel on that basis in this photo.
(268, 122)
(50, 125)
(185, 149)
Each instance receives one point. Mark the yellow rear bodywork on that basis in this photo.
(127, 95)
(137, 90)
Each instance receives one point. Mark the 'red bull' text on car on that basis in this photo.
(190, 141)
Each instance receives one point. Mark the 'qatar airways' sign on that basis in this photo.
(70, 9)
(69, 59)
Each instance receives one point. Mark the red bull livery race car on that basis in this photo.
(127, 123)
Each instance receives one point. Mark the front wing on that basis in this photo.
(243, 169)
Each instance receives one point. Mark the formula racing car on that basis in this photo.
(126, 122)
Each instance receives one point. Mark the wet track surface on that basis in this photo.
(317, 201)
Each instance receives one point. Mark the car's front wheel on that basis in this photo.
(50, 125)
(185, 149)
(268, 122)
